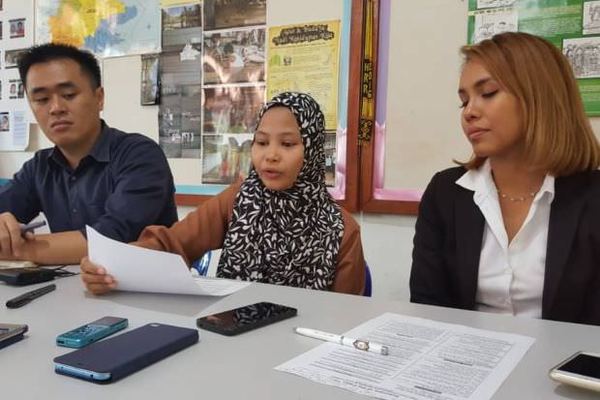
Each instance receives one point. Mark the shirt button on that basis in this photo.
(74, 210)
(72, 178)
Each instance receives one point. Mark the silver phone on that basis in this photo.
(582, 369)
(11, 333)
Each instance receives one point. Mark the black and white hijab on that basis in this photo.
(289, 237)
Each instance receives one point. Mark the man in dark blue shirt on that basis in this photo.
(96, 175)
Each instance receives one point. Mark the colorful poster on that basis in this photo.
(305, 58)
(571, 25)
(107, 28)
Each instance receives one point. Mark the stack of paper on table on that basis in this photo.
(142, 270)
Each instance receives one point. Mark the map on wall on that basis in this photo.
(105, 27)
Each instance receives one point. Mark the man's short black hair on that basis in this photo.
(53, 51)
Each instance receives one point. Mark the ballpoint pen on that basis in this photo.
(343, 340)
(25, 298)
(31, 226)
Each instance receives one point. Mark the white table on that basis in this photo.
(241, 367)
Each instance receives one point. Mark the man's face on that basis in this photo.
(65, 104)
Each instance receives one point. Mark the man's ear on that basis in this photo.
(100, 97)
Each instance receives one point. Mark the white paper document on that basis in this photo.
(427, 360)
(143, 270)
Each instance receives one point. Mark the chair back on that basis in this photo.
(368, 283)
(202, 263)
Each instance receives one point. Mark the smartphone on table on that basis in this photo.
(243, 319)
(582, 369)
(11, 333)
(89, 333)
(116, 357)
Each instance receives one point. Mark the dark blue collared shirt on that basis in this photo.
(123, 185)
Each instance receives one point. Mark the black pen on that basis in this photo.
(25, 298)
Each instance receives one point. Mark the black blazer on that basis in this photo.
(449, 234)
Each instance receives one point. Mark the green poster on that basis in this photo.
(572, 25)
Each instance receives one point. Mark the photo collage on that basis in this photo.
(212, 84)
(15, 36)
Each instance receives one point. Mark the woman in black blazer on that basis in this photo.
(516, 229)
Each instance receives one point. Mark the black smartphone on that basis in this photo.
(243, 319)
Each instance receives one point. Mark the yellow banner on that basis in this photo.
(169, 3)
(305, 58)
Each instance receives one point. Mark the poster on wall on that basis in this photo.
(230, 118)
(180, 119)
(305, 58)
(571, 25)
(149, 85)
(233, 86)
(16, 35)
(107, 28)
(234, 56)
(220, 14)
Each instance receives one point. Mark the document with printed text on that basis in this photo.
(427, 360)
(143, 270)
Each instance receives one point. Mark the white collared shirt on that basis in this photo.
(511, 276)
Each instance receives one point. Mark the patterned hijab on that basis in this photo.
(290, 237)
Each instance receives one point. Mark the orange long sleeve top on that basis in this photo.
(204, 229)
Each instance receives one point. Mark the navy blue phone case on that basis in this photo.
(129, 352)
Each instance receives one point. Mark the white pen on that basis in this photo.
(343, 340)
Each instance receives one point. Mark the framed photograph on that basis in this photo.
(188, 16)
(330, 148)
(17, 28)
(4, 122)
(221, 14)
(225, 158)
(150, 84)
(582, 54)
(15, 89)
(180, 120)
(11, 58)
(234, 56)
(232, 109)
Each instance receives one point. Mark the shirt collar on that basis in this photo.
(100, 151)
(481, 182)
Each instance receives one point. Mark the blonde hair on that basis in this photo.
(558, 136)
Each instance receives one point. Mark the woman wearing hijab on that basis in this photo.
(278, 226)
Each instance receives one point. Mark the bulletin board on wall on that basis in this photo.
(122, 84)
(124, 110)
(417, 128)
(573, 26)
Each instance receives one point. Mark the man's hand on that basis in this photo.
(11, 238)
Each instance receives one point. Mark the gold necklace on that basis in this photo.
(516, 199)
